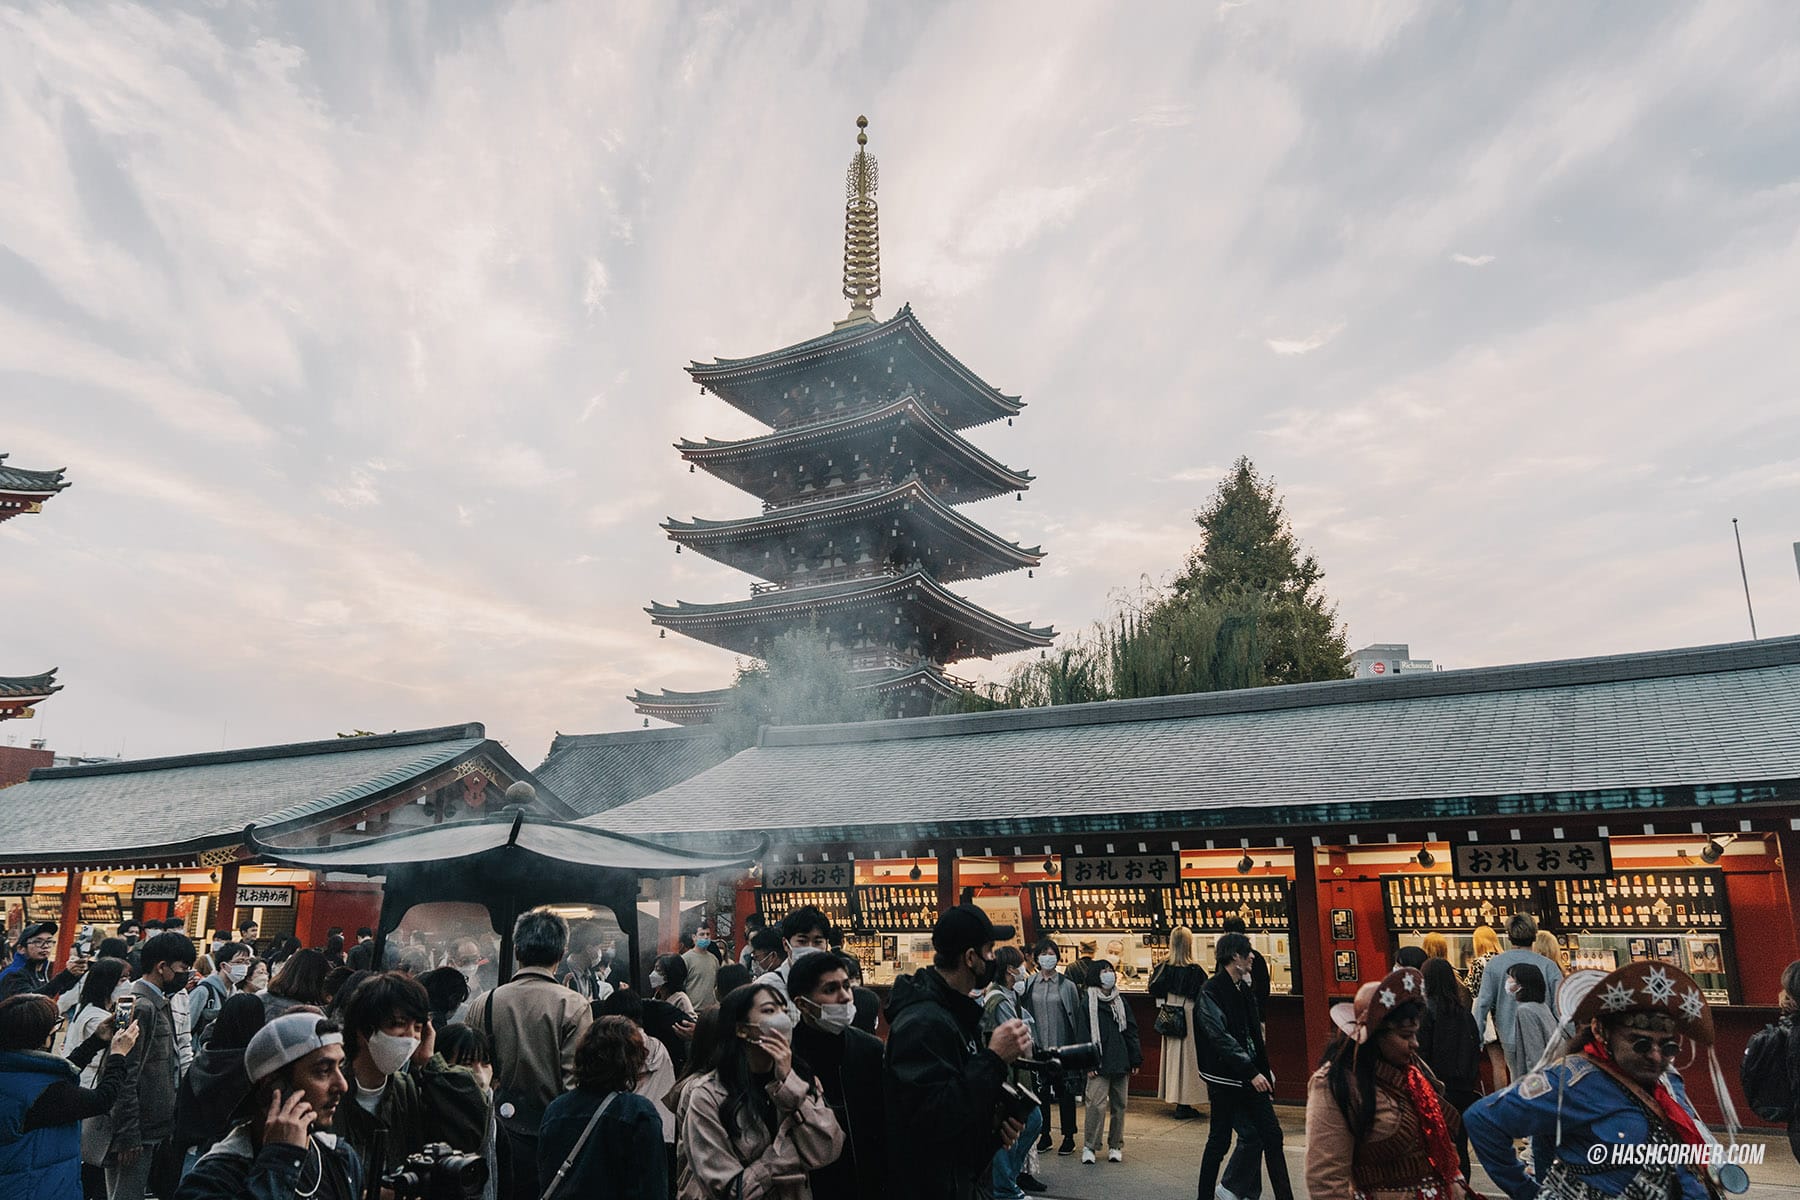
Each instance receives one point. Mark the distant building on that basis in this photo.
(1382, 659)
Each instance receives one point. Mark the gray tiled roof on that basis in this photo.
(191, 802)
(1357, 749)
(593, 772)
(22, 479)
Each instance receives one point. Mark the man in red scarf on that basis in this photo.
(1615, 1085)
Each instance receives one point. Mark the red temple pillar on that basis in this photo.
(668, 924)
(227, 909)
(946, 881)
(1309, 944)
(70, 917)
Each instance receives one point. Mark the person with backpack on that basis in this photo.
(1771, 1067)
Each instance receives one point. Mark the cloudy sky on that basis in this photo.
(360, 328)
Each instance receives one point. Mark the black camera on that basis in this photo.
(1077, 1056)
(438, 1173)
(1019, 1101)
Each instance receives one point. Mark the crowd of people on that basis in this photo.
(147, 1066)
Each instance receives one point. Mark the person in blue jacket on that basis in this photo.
(42, 1102)
(1614, 1085)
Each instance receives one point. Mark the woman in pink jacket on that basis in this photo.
(753, 1126)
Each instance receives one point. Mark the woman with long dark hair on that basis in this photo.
(1377, 1126)
(300, 981)
(94, 1006)
(1450, 1044)
(757, 1123)
(217, 1082)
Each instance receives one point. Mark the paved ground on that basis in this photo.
(1162, 1162)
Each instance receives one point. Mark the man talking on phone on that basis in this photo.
(943, 1086)
(282, 1150)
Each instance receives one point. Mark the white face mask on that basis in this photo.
(1512, 986)
(1047, 962)
(1019, 985)
(389, 1052)
(1108, 980)
(656, 979)
(835, 1018)
(796, 953)
(236, 971)
(776, 1020)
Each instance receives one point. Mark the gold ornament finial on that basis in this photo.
(862, 233)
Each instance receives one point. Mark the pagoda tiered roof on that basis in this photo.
(901, 525)
(763, 465)
(876, 362)
(925, 683)
(24, 491)
(19, 692)
(913, 598)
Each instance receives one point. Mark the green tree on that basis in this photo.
(801, 681)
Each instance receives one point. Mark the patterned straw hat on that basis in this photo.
(1375, 1002)
(1650, 987)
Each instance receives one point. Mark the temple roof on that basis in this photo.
(738, 624)
(19, 479)
(736, 542)
(29, 687)
(593, 772)
(758, 385)
(746, 463)
(1672, 735)
(159, 809)
(690, 708)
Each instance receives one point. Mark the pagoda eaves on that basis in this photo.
(914, 690)
(24, 491)
(933, 622)
(896, 527)
(19, 692)
(826, 375)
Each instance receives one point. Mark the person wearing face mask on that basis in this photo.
(847, 1062)
(1533, 1027)
(757, 1124)
(398, 1084)
(1054, 1000)
(144, 1114)
(216, 1084)
(943, 1085)
(668, 983)
(804, 931)
(1107, 1019)
(1493, 998)
(1610, 1079)
(702, 968)
(464, 1046)
(1015, 1168)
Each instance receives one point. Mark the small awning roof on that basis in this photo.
(506, 836)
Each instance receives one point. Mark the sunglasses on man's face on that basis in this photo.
(1670, 1047)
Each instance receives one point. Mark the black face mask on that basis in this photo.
(176, 984)
(985, 970)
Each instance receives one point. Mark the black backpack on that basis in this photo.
(1768, 1072)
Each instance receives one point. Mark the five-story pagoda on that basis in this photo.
(860, 479)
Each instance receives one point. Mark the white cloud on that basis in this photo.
(1303, 345)
(1472, 260)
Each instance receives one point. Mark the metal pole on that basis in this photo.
(1746, 575)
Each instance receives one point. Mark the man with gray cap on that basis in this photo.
(281, 1151)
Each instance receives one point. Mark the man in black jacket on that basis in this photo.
(944, 1121)
(847, 1062)
(1235, 1064)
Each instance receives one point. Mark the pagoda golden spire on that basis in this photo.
(862, 233)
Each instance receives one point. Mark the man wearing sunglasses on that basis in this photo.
(29, 970)
(1611, 1083)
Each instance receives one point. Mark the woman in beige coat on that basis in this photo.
(754, 1126)
(1175, 986)
(1377, 1126)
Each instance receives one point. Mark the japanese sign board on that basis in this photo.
(250, 896)
(1123, 870)
(810, 875)
(1532, 860)
(156, 889)
(17, 885)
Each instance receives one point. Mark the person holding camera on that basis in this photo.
(42, 1102)
(1234, 1061)
(399, 1088)
(1014, 1167)
(944, 1089)
(281, 1151)
(30, 968)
